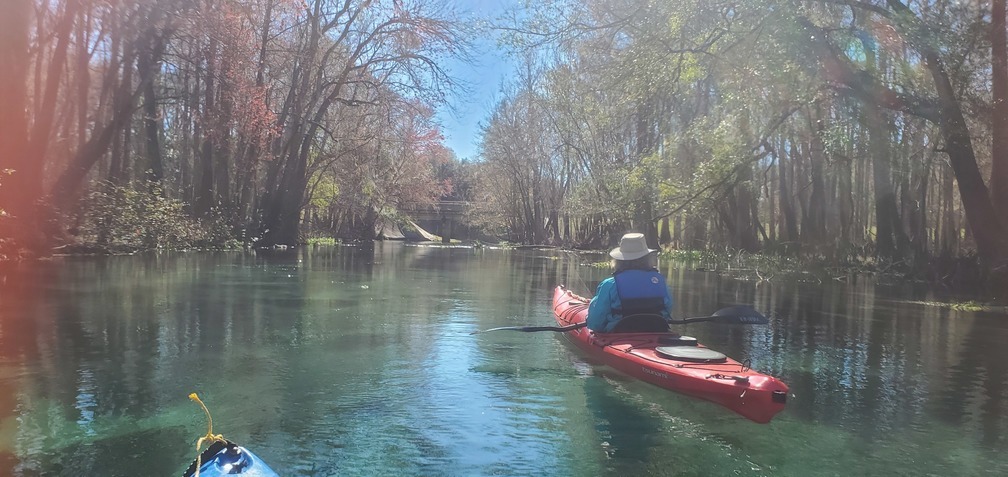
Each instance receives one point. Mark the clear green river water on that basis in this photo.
(354, 361)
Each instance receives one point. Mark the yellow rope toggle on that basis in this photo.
(210, 437)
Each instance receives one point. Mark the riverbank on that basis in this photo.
(949, 274)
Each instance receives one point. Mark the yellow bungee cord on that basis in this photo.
(210, 437)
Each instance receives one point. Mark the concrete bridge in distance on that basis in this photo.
(445, 218)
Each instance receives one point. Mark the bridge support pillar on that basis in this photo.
(445, 229)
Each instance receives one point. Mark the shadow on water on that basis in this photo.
(976, 387)
(628, 433)
(856, 357)
(141, 452)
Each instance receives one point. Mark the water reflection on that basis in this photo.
(358, 360)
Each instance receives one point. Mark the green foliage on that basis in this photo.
(771, 266)
(127, 219)
(323, 241)
(957, 305)
(605, 264)
(688, 256)
(967, 306)
(325, 192)
(754, 266)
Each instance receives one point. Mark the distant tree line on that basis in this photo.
(837, 129)
(148, 123)
(830, 128)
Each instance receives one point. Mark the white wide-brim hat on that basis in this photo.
(631, 247)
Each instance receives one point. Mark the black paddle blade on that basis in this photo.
(739, 315)
(531, 329)
(732, 315)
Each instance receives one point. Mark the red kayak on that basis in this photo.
(674, 362)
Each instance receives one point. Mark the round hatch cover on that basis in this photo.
(691, 353)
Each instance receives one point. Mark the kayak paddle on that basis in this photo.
(732, 315)
(529, 329)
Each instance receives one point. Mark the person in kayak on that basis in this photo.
(636, 287)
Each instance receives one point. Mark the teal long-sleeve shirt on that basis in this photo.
(600, 310)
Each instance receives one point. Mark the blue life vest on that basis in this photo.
(640, 292)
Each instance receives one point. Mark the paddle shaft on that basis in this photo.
(731, 320)
(734, 315)
(530, 329)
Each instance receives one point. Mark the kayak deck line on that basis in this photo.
(706, 366)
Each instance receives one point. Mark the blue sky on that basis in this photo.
(460, 121)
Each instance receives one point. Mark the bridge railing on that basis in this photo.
(454, 207)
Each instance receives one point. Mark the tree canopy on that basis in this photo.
(833, 127)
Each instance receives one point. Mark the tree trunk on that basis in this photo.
(845, 202)
(119, 168)
(64, 190)
(205, 184)
(223, 152)
(287, 180)
(746, 224)
(190, 131)
(999, 118)
(814, 220)
(124, 100)
(665, 231)
(771, 196)
(282, 217)
(148, 65)
(83, 78)
(887, 221)
(250, 157)
(789, 222)
(988, 232)
(13, 102)
(33, 163)
(920, 217)
(860, 178)
(990, 235)
(949, 238)
(554, 220)
(129, 158)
